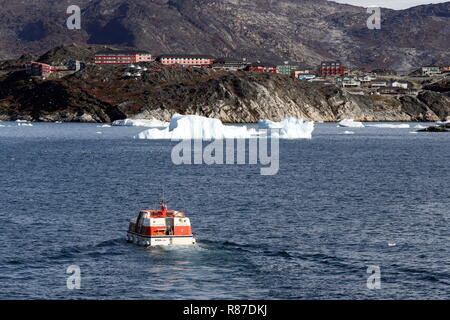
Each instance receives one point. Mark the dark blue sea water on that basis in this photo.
(67, 193)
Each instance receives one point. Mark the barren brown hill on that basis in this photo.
(295, 30)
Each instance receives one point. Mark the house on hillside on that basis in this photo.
(400, 84)
(302, 71)
(378, 83)
(331, 69)
(289, 68)
(430, 71)
(113, 57)
(40, 69)
(229, 64)
(262, 67)
(350, 83)
(186, 60)
(308, 76)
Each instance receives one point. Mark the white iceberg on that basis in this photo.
(104, 126)
(290, 128)
(198, 127)
(152, 123)
(349, 132)
(389, 125)
(350, 123)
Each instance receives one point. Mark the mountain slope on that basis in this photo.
(276, 30)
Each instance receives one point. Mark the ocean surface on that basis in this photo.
(340, 203)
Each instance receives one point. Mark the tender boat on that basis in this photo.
(161, 227)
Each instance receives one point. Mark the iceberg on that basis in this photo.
(152, 123)
(290, 128)
(198, 127)
(350, 123)
(389, 125)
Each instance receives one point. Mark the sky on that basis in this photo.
(393, 4)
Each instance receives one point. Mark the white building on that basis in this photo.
(398, 84)
(431, 71)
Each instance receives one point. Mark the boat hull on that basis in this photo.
(151, 241)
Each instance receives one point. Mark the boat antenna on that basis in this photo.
(163, 201)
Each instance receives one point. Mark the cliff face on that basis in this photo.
(104, 94)
(295, 30)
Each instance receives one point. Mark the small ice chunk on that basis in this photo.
(389, 125)
(152, 123)
(289, 128)
(350, 123)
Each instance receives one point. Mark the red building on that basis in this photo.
(262, 67)
(331, 69)
(122, 57)
(40, 69)
(186, 59)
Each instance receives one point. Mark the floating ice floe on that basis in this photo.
(349, 132)
(104, 126)
(440, 123)
(290, 128)
(350, 123)
(419, 126)
(389, 125)
(152, 123)
(24, 124)
(198, 127)
(392, 244)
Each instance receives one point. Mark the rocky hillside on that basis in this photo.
(107, 93)
(295, 30)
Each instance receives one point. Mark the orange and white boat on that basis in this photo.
(160, 228)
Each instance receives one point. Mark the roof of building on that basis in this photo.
(263, 64)
(176, 56)
(109, 52)
(230, 60)
(229, 65)
(379, 81)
